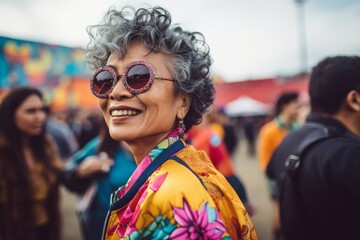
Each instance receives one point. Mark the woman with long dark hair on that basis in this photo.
(29, 169)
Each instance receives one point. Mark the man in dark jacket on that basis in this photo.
(326, 186)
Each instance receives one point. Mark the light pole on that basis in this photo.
(302, 36)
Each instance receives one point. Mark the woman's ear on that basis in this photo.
(353, 100)
(184, 106)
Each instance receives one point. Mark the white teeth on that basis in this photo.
(116, 113)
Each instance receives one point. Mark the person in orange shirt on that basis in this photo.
(209, 137)
(270, 136)
(206, 138)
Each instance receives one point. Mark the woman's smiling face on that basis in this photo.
(148, 116)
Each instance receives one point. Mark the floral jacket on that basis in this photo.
(182, 197)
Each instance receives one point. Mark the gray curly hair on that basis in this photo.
(187, 52)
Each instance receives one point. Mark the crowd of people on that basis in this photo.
(156, 161)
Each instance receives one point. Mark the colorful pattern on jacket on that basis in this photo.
(174, 204)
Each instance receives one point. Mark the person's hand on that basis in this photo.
(95, 164)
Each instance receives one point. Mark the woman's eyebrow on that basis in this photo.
(33, 109)
(112, 66)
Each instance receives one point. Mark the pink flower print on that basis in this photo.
(197, 224)
(124, 217)
(129, 215)
(131, 227)
(112, 229)
(142, 193)
(157, 182)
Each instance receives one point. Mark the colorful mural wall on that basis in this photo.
(58, 70)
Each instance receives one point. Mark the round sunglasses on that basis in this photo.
(137, 78)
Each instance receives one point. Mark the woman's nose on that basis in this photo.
(119, 91)
(40, 115)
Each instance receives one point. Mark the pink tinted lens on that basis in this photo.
(103, 82)
(138, 76)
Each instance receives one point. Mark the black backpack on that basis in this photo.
(289, 197)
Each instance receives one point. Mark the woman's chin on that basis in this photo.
(121, 136)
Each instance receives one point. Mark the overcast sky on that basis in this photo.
(247, 38)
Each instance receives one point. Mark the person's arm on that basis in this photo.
(70, 178)
(84, 166)
(265, 148)
(352, 173)
(270, 168)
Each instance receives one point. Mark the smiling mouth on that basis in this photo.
(124, 112)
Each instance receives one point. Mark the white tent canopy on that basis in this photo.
(246, 106)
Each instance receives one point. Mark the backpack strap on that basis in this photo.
(317, 133)
(289, 192)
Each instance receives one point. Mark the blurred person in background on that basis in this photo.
(271, 135)
(304, 109)
(153, 83)
(60, 131)
(209, 137)
(285, 120)
(250, 132)
(29, 170)
(94, 172)
(221, 124)
(326, 182)
(86, 125)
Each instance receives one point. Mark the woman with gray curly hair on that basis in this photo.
(153, 84)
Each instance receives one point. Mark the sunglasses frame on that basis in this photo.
(124, 79)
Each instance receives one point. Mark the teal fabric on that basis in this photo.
(119, 173)
(291, 127)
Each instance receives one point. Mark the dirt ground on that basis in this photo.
(247, 168)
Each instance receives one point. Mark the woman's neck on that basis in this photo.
(142, 147)
(285, 119)
(25, 140)
(349, 120)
